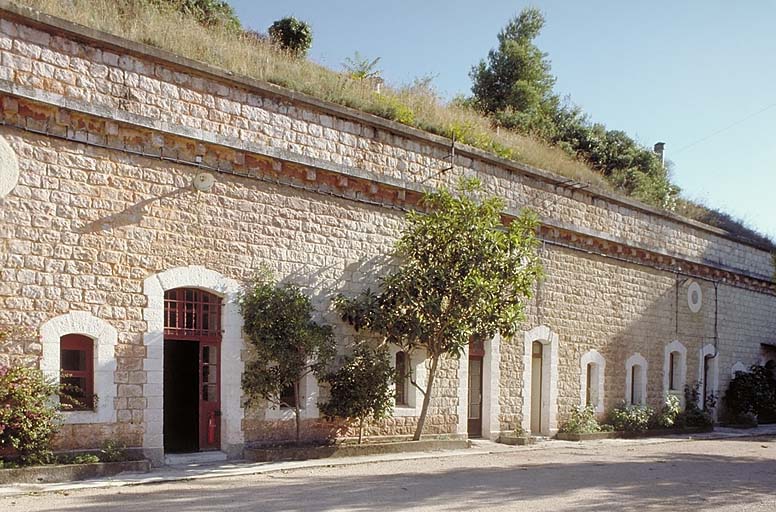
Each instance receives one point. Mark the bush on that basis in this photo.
(693, 415)
(209, 13)
(28, 418)
(666, 417)
(631, 418)
(361, 387)
(581, 421)
(286, 344)
(81, 458)
(752, 392)
(746, 419)
(113, 451)
(291, 35)
(391, 107)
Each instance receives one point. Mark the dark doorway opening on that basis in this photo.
(181, 396)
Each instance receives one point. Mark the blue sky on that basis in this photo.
(672, 71)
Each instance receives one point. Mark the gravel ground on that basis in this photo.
(719, 475)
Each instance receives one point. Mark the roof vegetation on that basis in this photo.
(209, 31)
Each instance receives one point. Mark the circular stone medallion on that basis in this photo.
(694, 297)
(9, 168)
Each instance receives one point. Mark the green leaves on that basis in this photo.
(361, 387)
(515, 82)
(293, 35)
(461, 273)
(28, 417)
(287, 343)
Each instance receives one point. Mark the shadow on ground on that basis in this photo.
(673, 481)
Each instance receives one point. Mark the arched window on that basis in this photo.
(673, 371)
(636, 380)
(592, 376)
(674, 368)
(635, 390)
(402, 378)
(76, 364)
(83, 348)
(592, 369)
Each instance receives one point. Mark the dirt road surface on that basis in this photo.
(718, 475)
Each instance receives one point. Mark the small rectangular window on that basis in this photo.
(287, 397)
(402, 376)
(672, 371)
(76, 364)
(588, 390)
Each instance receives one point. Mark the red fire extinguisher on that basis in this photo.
(211, 428)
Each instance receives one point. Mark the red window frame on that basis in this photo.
(192, 314)
(79, 343)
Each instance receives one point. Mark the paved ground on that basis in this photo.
(720, 475)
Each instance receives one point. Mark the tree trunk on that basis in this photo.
(426, 398)
(360, 430)
(297, 411)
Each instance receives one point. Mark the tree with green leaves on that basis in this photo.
(361, 388)
(292, 35)
(514, 84)
(210, 13)
(287, 344)
(461, 274)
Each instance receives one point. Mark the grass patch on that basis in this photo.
(701, 212)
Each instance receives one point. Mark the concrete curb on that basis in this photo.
(66, 473)
(301, 453)
(243, 468)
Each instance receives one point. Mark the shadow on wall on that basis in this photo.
(132, 215)
(689, 480)
(325, 282)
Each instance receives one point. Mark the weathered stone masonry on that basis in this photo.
(109, 134)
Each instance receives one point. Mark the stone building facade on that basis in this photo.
(103, 236)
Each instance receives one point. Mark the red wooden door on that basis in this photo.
(193, 315)
(209, 395)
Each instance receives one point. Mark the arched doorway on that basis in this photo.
(540, 381)
(192, 361)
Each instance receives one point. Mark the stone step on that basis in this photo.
(196, 458)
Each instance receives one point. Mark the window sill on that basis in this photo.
(89, 416)
(285, 413)
(405, 410)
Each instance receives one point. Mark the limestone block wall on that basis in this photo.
(86, 226)
(621, 309)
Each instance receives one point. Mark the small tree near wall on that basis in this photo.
(292, 35)
(461, 273)
(287, 344)
(361, 387)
